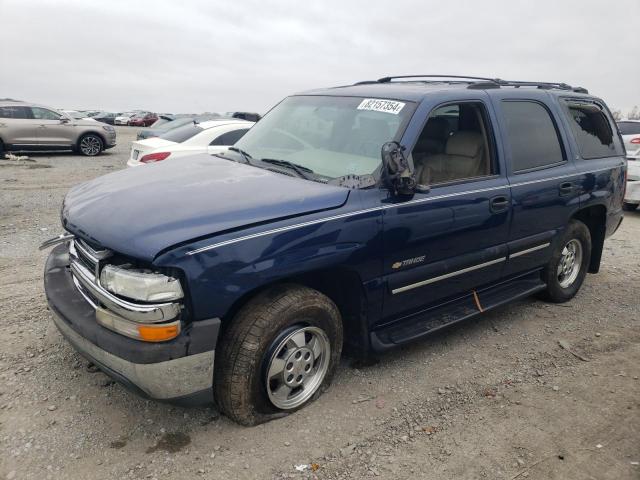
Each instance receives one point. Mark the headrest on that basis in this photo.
(437, 128)
(464, 143)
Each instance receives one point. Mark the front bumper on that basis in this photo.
(177, 371)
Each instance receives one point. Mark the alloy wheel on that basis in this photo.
(90, 145)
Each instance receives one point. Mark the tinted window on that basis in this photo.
(592, 130)
(229, 138)
(15, 112)
(45, 114)
(532, 135)
(629, 128)
(181, 134)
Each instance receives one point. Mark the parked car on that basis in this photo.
(124, 118)
(29, 127)
(252, 117)
(75, 114)
(367, 216)
(630, 131)
(162, 119)
(178, 122)
(143, 119)
(106, 117)
(206, 137)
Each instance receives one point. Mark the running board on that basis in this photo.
(435, 318)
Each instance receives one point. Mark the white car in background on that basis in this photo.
(124, 118)
(212, 136)
(630, 130)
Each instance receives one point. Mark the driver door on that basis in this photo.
(451, 240)
(51, 129)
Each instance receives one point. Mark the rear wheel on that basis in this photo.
(90, 145)
(279, 354)
(629, 207)
(568, 265)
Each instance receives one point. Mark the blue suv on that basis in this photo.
(350, 219)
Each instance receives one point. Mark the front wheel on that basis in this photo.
(568, 265)
(90, 145)
(278, 354)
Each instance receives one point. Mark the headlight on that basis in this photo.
(109, 128)
(140, 284)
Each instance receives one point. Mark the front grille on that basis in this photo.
(87, 256)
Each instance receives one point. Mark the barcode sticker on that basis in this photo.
(377, 105)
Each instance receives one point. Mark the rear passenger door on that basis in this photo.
(17, 126)
(545, 184)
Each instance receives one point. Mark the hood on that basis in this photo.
(141, 211)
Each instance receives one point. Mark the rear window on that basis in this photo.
(182, 134)
(229, 138)
(592, 129)
(15, 112)
(532, 135)
(629, 128)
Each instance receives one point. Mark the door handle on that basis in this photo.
(566, 188)
(499, 204)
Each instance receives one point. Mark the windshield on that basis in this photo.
(332, 136)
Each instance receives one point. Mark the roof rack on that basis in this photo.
(480, 82)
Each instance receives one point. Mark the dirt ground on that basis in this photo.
(495, 398)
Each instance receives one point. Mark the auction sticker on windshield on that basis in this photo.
(377, 105)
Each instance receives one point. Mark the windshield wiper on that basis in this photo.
(245, 155)
(302, 171)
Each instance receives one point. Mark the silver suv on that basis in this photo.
(28, 127)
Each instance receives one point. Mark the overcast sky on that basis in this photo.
(224, 55)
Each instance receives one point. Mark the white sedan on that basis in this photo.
(212, 136)
(123, 118)
(630, 130)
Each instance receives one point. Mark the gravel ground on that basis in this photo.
(495, 398)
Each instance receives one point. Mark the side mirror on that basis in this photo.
(64, 120)
(397, 176)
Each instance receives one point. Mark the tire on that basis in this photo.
(90, 145)
(629, 207)
(265, 335)
(574, 249)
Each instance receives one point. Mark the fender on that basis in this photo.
(244, 261)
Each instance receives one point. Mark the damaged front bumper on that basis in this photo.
(178, 371)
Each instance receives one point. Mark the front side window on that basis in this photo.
(456, 144)
(17, 112)
(331, 136)
(45, 114)
(592, 130)
(531, 135)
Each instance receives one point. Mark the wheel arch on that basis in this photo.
(342, 285)
(595, 218)
(91, 132)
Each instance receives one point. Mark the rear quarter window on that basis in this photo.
(594, 134)
(182, 133)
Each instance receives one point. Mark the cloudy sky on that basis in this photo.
(223, 55)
